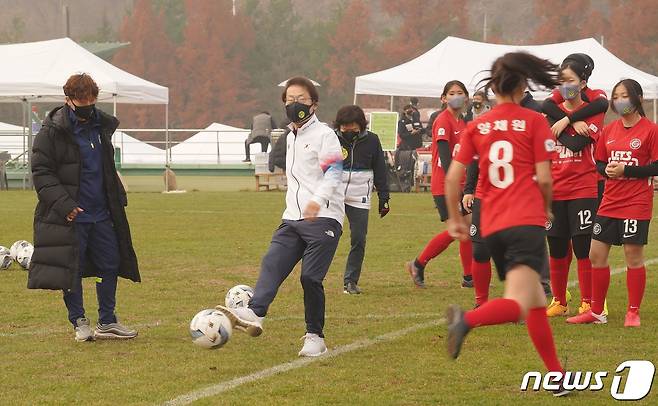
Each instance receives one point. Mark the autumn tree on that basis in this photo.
(633, 33)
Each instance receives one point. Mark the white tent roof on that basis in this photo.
(465, 60)
(134, 151)
(40, 69)
(218, 143)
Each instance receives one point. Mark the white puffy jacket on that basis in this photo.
(314, 167)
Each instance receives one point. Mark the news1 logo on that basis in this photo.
(636, 386)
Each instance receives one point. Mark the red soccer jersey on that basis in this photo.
(574, 173)
(592, 94)
(509, 140)
(445, 128)
(628, 198)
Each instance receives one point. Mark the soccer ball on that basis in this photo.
(238, 296)
(5, 258)
(210, 328)
(24, 255)
(13, 251)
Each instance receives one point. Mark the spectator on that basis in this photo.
(261, 129)
(479, 106)
(363, 167)
(80, 222)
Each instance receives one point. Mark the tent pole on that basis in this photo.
(23, 104)
(30, 139)
(167, 149)
(391, 103)
(114, 101)
(354, 98)
(654, 110)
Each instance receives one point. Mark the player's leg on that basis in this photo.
(434, 247)
(558, 247)
(481, 265)
(635, 236)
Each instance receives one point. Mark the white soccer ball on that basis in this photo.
(5, 258)
(210, 328)
(24, 255)
(239, 296)
(17, 246)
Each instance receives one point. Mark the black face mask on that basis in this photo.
(350, 135)
(298, 112)
(84, 112)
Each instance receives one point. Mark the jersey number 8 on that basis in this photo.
(501, 161)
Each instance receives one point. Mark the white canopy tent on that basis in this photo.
(36, 71)
(134, 151)
(465, 60)
(12, 139)
(216, 144)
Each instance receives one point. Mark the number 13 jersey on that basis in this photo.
(509, 141)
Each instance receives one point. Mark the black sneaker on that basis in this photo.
(546, 284)
(417, 274)
(467, 283)
(457, 330)
(351, 289)
(114, 331)
(561, 390)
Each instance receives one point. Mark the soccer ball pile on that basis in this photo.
(210, 328)
(21, 251)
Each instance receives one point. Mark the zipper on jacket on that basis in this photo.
(292, 166)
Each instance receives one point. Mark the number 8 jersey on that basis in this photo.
(509, 141)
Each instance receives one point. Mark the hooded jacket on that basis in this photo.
(56, 169)
(364, 167)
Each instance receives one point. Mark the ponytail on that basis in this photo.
(520, 68)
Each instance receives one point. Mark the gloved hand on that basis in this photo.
(383, 207)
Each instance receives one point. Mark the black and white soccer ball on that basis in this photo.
(24, 255)
(5, 258)
(15, 247)
(211, 329)
(238, 296)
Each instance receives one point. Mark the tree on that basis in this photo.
(567, 20)
(634, 33)
(352, 51)
(149, 56)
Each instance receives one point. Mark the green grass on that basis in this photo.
(193, 247)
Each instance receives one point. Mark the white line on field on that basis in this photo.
(42, 332)
(301, 362)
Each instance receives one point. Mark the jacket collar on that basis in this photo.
(58, 118)
(306, 126)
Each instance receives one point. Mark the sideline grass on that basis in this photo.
(193, 247)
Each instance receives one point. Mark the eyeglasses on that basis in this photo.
(299, 99)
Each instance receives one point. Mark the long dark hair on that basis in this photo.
(635, 95)
(520, 68)
(581, 64)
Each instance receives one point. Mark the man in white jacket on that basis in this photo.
(311, 223)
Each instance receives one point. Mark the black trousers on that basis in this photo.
(312, 242)
(263, 141)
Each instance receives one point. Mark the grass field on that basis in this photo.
(193, 247)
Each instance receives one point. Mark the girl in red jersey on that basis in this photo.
(627, 154)
(514, 146)
(445, 144)
(575, 193)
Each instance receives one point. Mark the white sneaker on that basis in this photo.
(243, 319)
(83, 331)
(313, 346)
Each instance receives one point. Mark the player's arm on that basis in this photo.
(472, 173)
(545, 183)
(641, 171)
(444, 154)
(575, 143)
(598, 106)
(600, 168)
(551, 109)
(457, 227)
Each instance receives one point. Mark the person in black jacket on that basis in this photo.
(80, 224)
(409, 130)
(363, 168)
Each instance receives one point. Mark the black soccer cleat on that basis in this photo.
(457, 330)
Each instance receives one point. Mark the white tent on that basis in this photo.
(38, 70)
(464, 60)
(216, 144)
(12, 139)
(134, 151)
